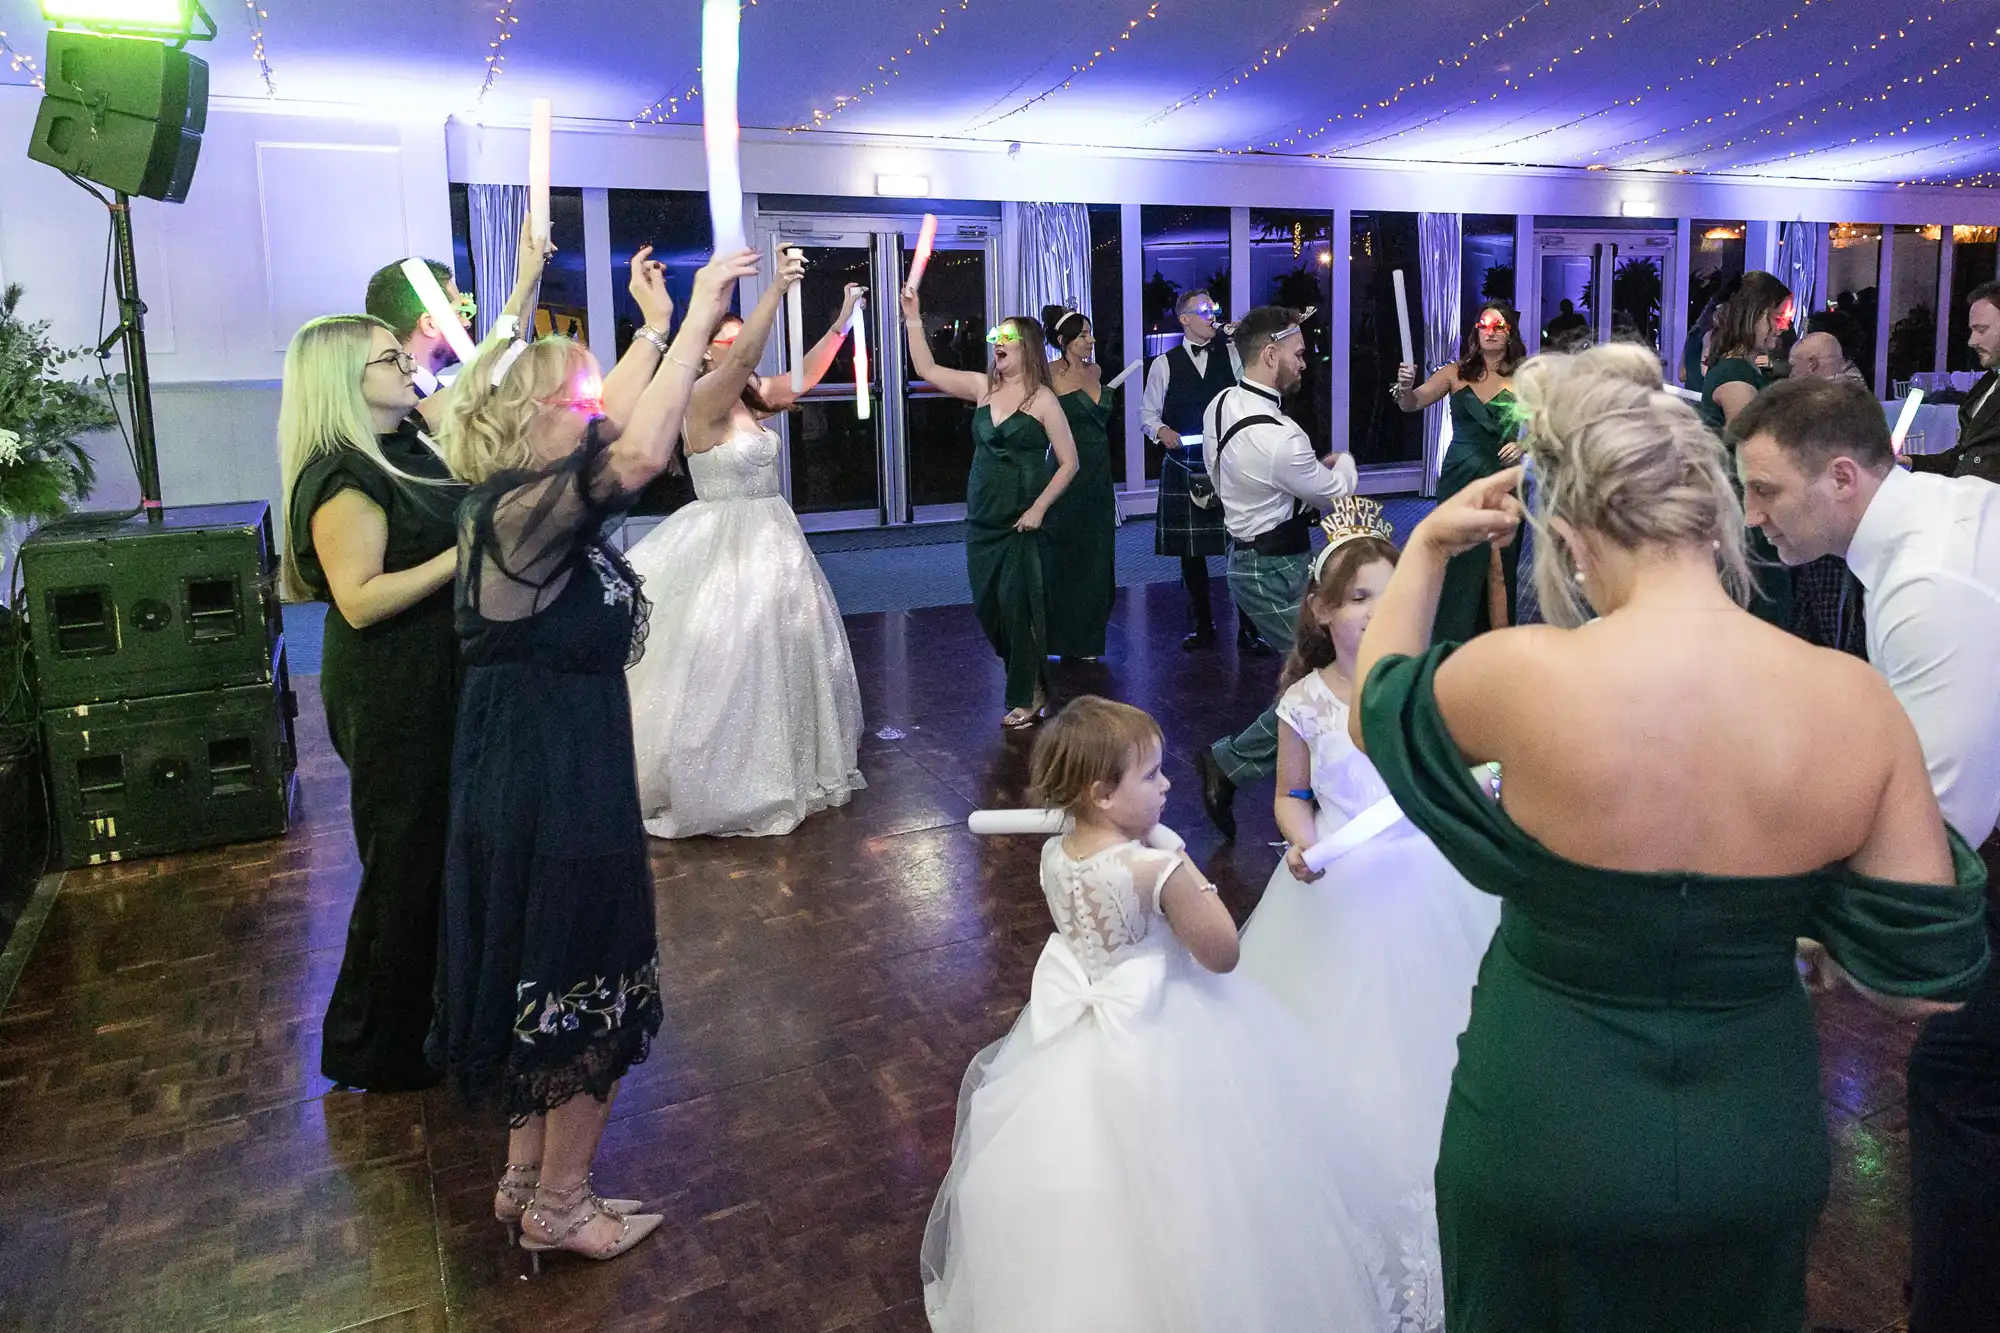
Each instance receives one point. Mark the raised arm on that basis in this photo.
(1044, 408)
(777, 389)
(628, 379)
(532, 261)
(1413, 397)
(967, 384)
(734, 369)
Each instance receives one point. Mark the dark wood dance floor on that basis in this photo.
(171, 1159)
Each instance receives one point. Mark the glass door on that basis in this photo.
(907, 461)
(1574, 267)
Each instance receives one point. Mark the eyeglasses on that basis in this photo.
(1492, 324)
(467, 307)
(1203, 310)
(1005, 333)
(398, 358)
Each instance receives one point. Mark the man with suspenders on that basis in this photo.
(1271, 485)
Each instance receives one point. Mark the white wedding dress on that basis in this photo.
(1151, 1149)
(1377, 959)
(745, 712)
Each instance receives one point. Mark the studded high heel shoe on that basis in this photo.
(556, 1219)
(517, 1190)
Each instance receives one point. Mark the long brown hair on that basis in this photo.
(750, 397)
(1735, 331)
(1472, 361)
(1034, 356)
(1312, 642)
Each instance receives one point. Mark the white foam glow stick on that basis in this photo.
(1906, 419)
(720, 134)
(859, 326)
(1679, 392)
(1121, 377)
(926, 239)
(1052, 823)
(443, 314)
(795, 332)
(1403, 317)
(1376, 818)
(541, 120)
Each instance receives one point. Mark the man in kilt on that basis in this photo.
(1188, 521)
(1272, 486)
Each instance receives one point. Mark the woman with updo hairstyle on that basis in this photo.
(1080, 576)
(1691, 803)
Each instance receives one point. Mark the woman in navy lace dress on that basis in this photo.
(550, 983)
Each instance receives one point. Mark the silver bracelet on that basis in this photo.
(654, 336)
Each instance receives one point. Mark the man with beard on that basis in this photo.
(1978, 451)
(1271, 485)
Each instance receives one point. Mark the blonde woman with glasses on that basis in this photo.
(368, 506)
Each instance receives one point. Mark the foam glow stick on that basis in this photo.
(926, 238)
(721, 21)
(541, 119)
(1906, 419)
(1677, 391)
(859, 326)
(795, 332)
(1051, 823)
(1353, 833)
(1121, 377)
(425, 284)
(1403, 317)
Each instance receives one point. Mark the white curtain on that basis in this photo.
(1438, 238)
(1798, 266)
(497, 213)
(1044, 258)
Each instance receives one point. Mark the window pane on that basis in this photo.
(1486, 262)
(1853, 270)
(1291, 263)
(1107, 317)
(1377, 430)
(565, 298)
(1913, 285)
(675, 224)
(1972, 262)
(1181, 250)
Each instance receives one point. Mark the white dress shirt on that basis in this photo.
(1927, 554)
(1154, 400)
(1267, 466)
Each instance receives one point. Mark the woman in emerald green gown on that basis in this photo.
(1747, 327)
(1017, 422)
(1635, 1138)
(1081, 572)
(1478, 592)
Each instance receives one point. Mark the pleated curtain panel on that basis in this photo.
(497, 213)
(1437, 342)
(1045, 251)
(1798, 266)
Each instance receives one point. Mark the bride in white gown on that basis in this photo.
(1377, 955)
(745, 711)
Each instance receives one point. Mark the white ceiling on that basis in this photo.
(1849, 90)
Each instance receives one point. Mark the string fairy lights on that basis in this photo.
(1077, 71)
(1445, 66)
(1856, 140)
(496, 49)
(1242, 70)
(670, 104)
(18, 60)
(888, 69)
(257, 15)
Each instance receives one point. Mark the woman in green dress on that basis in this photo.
(1478, 590)
(1747, 329)
(1081, 572)
(1016, 422)
(1635, 1138)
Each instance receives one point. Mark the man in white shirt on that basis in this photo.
(1820, 477)
(1270, 482)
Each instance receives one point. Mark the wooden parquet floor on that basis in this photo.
(170, 1158)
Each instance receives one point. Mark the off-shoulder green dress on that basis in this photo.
(1635, 1139)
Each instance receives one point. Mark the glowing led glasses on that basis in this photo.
(467, 307)
(1492, 322)
(1204, 310)
(1005, 333)
(1783, 319)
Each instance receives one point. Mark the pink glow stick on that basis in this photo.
(926, 238)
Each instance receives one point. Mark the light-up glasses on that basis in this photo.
(1204, 310)
(1492, 323)
(1005, 333)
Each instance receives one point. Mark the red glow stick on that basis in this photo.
(926, 238)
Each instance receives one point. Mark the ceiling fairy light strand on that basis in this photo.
(670, 104)
(1857, 141)
(1445, 66)
(263, 57)
(888, 69)
(1243, 70)
(1077, 71)
(496, 49)
(18, 60)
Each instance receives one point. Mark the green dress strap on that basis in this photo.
(1925, 941)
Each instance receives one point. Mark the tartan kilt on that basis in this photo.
(1180, 526)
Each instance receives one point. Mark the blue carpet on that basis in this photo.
(897, 569)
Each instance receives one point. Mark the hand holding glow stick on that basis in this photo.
(1403, 317)
(926, 239)
(795, 325)
(1121, 377)
(443, 314)
(720, 134)
(541, 121)
(858, 323)
(1906, 419)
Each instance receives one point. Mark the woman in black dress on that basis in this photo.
(368, 504)
(550, 988)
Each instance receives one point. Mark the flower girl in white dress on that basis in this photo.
(1150, 1149)
(746, 715)
(1376, 955)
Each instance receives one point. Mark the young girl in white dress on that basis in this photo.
(1150, 1149)
(1376, 955)
(745, 710)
